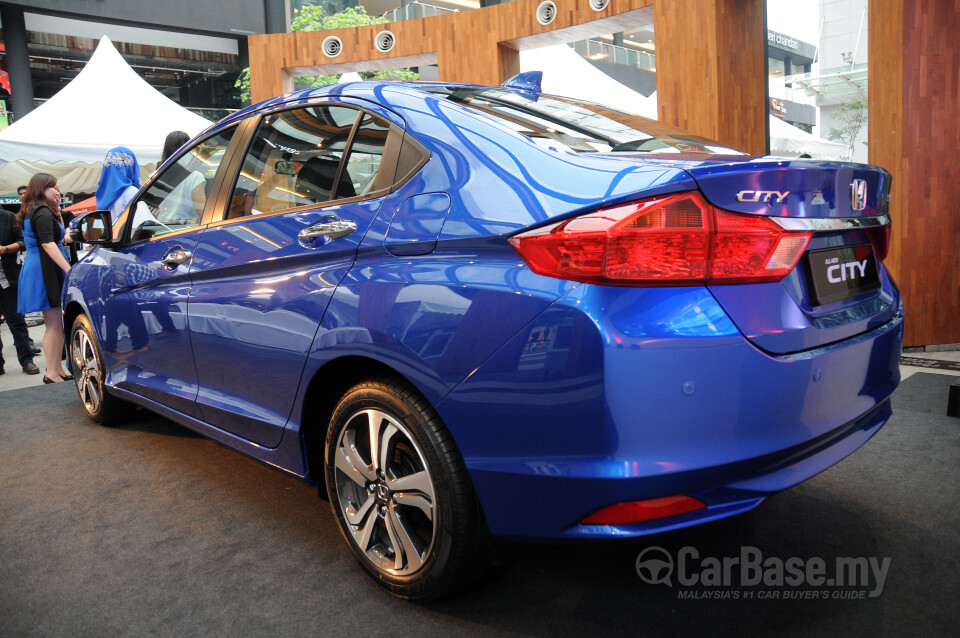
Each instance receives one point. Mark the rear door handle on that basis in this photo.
(175, 257)
(329, 230)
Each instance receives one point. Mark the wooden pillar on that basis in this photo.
(710, 69)
(914, 90)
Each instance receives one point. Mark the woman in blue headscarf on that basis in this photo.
(119, 181)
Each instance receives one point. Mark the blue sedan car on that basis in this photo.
(469, 312)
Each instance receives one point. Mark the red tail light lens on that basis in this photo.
(639, 511)
(669, 240)
(880, 238)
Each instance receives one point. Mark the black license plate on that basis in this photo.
(838, 273)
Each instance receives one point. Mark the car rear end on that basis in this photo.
(727, 331)
(750, 339)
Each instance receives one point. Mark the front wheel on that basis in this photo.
(89, 371)
(400, 492)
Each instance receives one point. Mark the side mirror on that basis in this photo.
(92, 228)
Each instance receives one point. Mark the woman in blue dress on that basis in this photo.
(44, 267)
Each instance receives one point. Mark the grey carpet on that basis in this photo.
(150, 530)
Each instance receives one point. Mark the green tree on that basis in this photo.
(314, 18)
(851, 116)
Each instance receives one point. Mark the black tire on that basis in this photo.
(409, 514)
(88, 372)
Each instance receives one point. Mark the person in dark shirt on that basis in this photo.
(11, 243)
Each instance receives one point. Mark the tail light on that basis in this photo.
(670, 240)
(880, 238)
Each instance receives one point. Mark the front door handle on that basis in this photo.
(176, 257)
(329, 230)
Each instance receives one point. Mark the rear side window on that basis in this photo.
(366, 154)
(297, 158)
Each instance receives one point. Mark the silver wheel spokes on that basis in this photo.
(86, 371)
(385, 492)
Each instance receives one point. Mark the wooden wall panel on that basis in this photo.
(709, 54)
(740, 54)
(710, 70)
(915, 134)
(466, 44)
(884, 97)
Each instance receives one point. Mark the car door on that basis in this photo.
(146, 282)
(310, 183)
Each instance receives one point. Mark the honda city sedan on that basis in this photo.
(471, 312)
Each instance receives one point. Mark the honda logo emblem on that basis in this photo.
(858, 194)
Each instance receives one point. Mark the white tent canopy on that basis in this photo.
(566, 73)
(786, 139)
(106, 105)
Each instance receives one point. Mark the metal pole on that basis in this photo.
(859, 34)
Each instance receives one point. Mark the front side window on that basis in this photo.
(296, 159)
(177, 197)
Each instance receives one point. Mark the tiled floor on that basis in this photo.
(14, 377)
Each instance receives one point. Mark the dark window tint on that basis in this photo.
(292, 160)
(296, 159)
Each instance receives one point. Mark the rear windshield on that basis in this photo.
(583, 127)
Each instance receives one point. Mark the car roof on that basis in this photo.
(360, 89)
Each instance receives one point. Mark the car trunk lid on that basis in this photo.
(839, 288)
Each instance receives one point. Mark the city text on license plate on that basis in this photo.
(838, 273)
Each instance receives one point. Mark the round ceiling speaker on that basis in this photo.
(546, 12)
(332, 46)
(599, 5)
(384, 41)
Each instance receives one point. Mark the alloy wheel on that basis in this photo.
(385, 492)
(86, 370)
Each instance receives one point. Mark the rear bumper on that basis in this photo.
(704, 414)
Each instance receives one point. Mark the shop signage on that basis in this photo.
(783, 40)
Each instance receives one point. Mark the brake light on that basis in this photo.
(880, 238)
(668, 240)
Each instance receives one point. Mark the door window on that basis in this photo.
(296, 159)
(176, 198)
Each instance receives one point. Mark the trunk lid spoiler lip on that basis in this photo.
(782, 187)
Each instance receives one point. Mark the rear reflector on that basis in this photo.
(669, 240)
(639, 511)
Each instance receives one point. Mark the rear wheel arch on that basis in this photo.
(323, 393)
